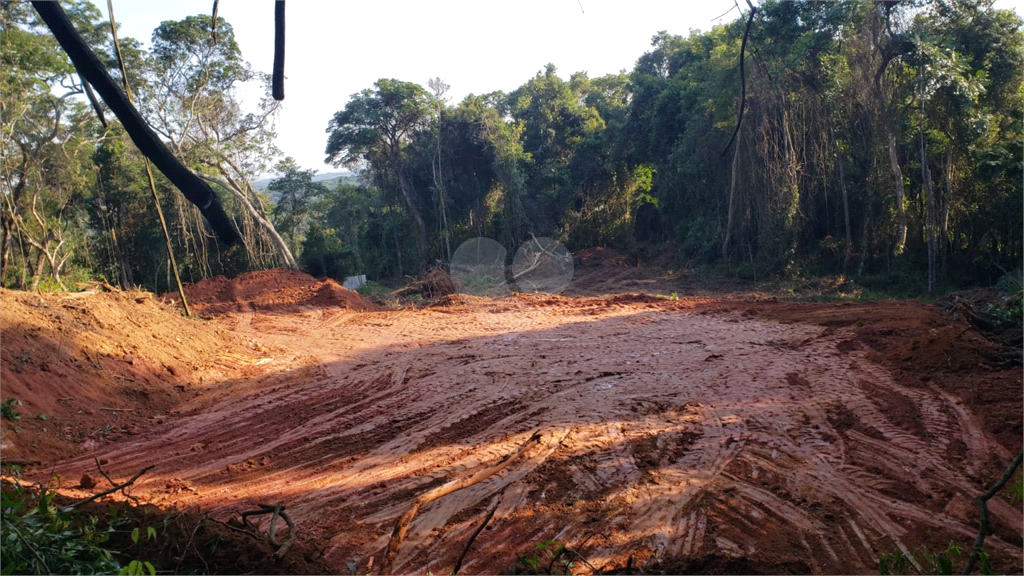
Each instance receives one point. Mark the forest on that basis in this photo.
(880, 141)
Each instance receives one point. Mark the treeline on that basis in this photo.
(77, 201)
(877, 139)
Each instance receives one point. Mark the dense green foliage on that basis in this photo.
(40, 538)
(76, 198)
(879, 140)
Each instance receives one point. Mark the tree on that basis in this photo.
(374, 129)
(190, 99)
(440, 88)
(45, 141)
(295, 192)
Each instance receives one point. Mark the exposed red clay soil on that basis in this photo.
(707, 434)
(276, 290)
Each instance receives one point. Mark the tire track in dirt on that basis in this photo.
(666, 434)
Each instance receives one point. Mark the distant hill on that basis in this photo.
(331, 179)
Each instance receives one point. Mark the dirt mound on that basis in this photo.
(93, 367)
(435, 283)
(278, 289)
(601, 256)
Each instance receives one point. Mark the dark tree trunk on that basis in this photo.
(410, 203)
(89, 66)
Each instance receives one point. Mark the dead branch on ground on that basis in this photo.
(479, 529)
(112, 483)
(436, 282)
(276, 510)
(121, 486)
(983, 525)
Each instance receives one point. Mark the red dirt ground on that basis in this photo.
(707, 434)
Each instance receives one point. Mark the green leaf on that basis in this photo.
(986, 564)
(135, 535)
(151, 533)
(954, 548)
(150, 568)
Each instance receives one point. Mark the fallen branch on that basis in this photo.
(436, 282)
(276, 510)
(104, 473)
(983, 526)
(479, 529)
(114, 489)
(118, 409)
(584, 560)
(402, 525)
(536, 259)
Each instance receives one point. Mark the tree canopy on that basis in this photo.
(878, 140)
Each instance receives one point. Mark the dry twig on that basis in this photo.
(112, 490)
(112, 483)
(276, 510)
(983, 525)
(479, 529)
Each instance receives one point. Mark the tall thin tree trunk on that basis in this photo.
(37, 273)
(119, 260)
(441, 194)
(6, 252)
(944, 212)
(846, 213)
(732, 198)
(897, 173)
(930, 212)
(793, 185)
(23, 278)
(865, 243)
(398, 250)
(421, 227)
(8, 215)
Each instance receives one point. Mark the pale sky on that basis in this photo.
(335, 49)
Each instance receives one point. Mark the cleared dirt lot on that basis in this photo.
(709, 434)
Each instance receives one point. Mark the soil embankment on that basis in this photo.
(747, 436)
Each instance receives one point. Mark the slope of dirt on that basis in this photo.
(752, 436)
(271, 290)
(923, 348)
(93, 367)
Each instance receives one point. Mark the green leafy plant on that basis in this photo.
(40, 538)
(929, 562)
(138, 568)
(1016, 489)
(8, 410)
(372, 288)
(551, 557)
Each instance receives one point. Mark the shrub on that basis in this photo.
(39, 538)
